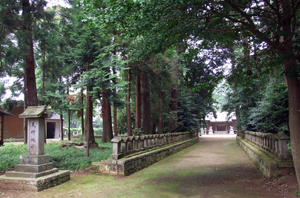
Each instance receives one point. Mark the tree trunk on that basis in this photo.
(115, 121)
(69, 117)
(147, 126)
(89, 131)
(153, 127)
(138, 102)
(128, 110)
(294, 122)
(106, 116)
(174, 96)
(69, 125)
(2, 130)
(293, 88)
(29, 80)
(43, 77)
(160, 116)
(61, 127)
(82, 114)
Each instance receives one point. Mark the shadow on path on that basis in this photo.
(216, 167)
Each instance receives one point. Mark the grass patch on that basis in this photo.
(64, 158)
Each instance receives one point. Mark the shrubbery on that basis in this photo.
(97, 131)
(68, 158)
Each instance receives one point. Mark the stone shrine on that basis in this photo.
(35, 171)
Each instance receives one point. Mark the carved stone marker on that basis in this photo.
(35, 165)
(210, 131)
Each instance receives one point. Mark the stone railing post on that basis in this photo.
(130, 144)
(136, 143)
(156, 140)
(142, 143)
(146, 141)
(150, 141)
(116, 148)
(124, 146)
(282, 147)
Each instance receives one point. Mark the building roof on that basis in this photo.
(221, 117)
(54, 116)
(2, 113)
(35, 112)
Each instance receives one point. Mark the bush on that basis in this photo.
(65, 158)
(97, 131)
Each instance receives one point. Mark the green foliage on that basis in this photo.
(9, 104)
(297, 193)
(65, 158)
(97, 131)
(271, 113)
(10, 155)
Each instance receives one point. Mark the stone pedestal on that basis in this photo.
(34, 165)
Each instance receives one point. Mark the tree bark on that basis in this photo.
(128, 110)
(106, 116)
(293, 87)
(2, 130)
(82, 114)
(138, 102)
(160, 116)
(174, 96)
(30, 80)
(89, 128)
(69, 125)
(43, 77)
(115, 121)
(61, 127)
(147, 126)
(89, 131)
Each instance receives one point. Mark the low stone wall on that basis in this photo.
(130, 164)
(266, 162)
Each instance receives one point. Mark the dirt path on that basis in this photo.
(215, 167)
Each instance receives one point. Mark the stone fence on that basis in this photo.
(277, 144)
(126, 145)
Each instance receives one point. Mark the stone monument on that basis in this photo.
(210, 131)
(35, 171)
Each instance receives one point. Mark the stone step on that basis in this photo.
(30, 175)
(33, 168)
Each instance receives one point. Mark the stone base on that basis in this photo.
(33, 168)
(130, 164)
(34, 159)
(30, 175)
(34, 184)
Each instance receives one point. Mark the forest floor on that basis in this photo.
(216, 167)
